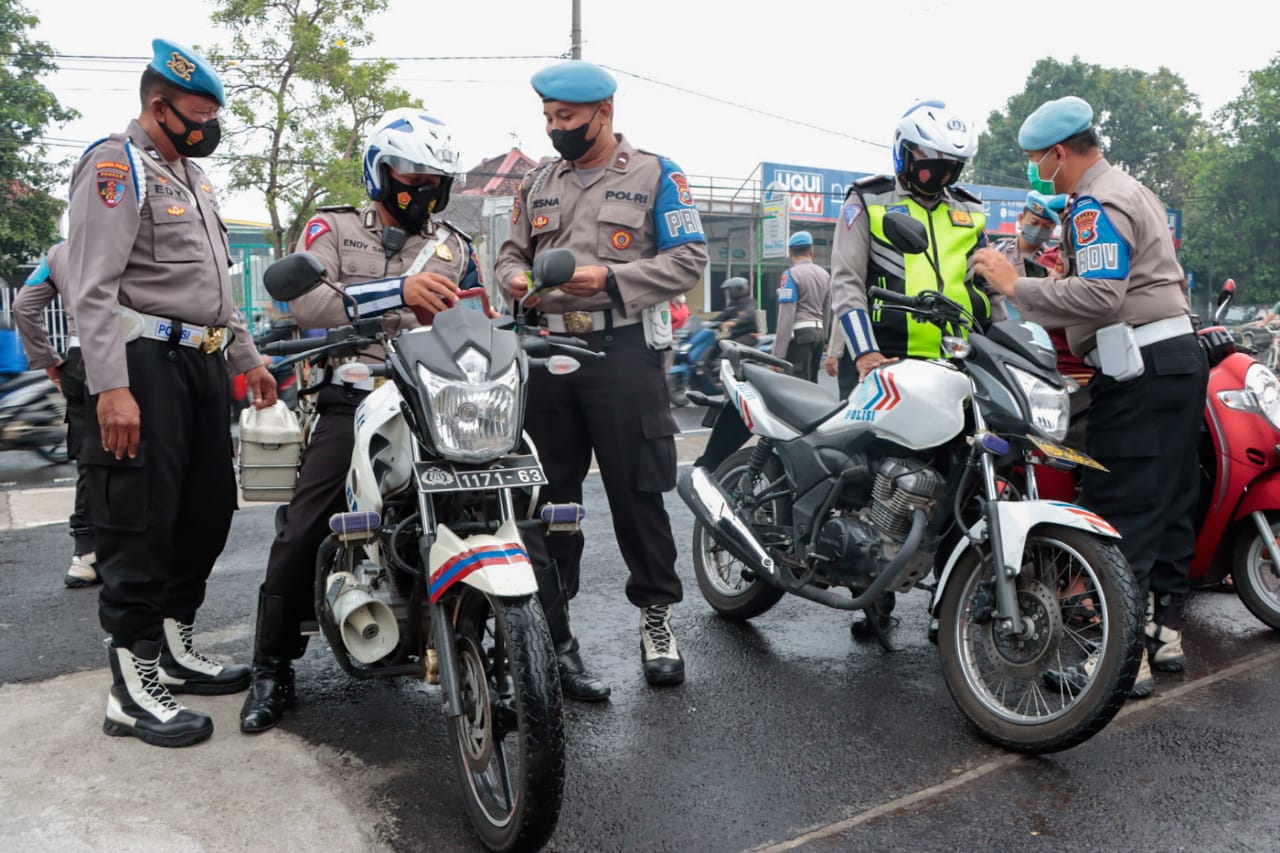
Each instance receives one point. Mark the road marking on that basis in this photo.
(1131, 708)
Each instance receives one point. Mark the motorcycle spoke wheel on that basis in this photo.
(1254, 575)
(1058, 681)
(720, 576)
(508, 743)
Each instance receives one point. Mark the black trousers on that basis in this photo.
(291, 566)
(1147, 432)
(805, 353)
(162, 518)
(75, 392)
(846, 374)
(618, 408)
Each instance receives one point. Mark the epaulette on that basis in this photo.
(337, 208)
(963, 194)
(456, 230)
(539, 176)
(871, 184)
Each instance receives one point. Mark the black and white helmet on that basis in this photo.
(936, 132)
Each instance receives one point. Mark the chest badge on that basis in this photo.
(443, 252)
(175, 210)
(540, 221)
(621, 239)
(961, 218)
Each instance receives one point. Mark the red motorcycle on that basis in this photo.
(1238, 513)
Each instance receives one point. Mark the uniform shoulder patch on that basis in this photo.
(317, 226)
(786, 290)
(1100, 251)
(850, 212)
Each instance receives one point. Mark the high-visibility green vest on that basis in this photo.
(956, 227)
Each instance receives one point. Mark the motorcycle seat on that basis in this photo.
(797, 402)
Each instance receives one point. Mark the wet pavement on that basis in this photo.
(788, 734)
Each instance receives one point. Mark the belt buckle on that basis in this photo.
(578, 322)
(212, 340)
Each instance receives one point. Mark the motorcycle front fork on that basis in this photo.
(1008, 616)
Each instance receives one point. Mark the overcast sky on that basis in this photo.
(845, 68)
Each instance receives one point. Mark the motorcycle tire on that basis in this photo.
(1251, 572)
(720, 577)
(1062, 686)
(508, 744)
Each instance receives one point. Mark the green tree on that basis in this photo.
(1233, 220)
(1145, 121)
(300, 105)
(28, 212)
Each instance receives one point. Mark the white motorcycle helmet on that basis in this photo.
(931, 145)
(410, 142)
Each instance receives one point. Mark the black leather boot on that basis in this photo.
(185, 670)
(575, 681)
(270, 694)
(140, 706)
(276, 645)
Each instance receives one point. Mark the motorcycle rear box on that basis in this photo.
(270, 447)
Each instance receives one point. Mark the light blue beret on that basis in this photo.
(800, 239)
(186, 69)
(574, 82)
(1053, 122)
(1046, 206)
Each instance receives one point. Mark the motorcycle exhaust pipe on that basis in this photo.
(711, 505)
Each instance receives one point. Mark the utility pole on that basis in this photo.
(575, 34)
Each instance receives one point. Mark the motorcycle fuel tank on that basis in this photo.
(913, 403)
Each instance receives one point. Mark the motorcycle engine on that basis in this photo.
(855, 548)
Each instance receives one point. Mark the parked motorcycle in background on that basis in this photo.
(426, 574)
(841, 501)
(1238, 512)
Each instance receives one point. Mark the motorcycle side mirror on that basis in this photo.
(906, 234)
(1225, 296)
(552, 269)
(293, 275)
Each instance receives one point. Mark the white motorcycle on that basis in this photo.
(901, 487)
(426, 574)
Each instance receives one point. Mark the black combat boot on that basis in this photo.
(276, 645)
(575, 681)
(141, 706)
(185, 670)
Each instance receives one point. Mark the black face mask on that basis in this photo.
(572, 144)
(929, 177)
(200, 137)
(408, 205)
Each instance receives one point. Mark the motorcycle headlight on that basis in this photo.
(476, 420)
(1049, 408)
(1261, 394)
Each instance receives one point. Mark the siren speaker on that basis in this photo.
(369, 629)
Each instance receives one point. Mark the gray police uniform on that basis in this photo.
(637, 217)
(28, 316)
(349, 244)
(1122, 267)
(147, 234)
(804, 303)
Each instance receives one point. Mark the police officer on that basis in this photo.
(393, 258)
(45, 283)
(148, 258)
(931, 145)
(630, 220)
(804, 301)
(1145, 412)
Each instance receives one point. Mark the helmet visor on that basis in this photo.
(446, 157)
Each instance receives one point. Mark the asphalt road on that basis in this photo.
(788, 734)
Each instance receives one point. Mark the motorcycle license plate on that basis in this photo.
(1065, 454)
(511, 471)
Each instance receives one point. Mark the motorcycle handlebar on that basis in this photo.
(890, 296)
(292, 347)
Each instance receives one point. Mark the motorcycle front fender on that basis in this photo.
(496, 564)
(1017, 520)
(1262, 494)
